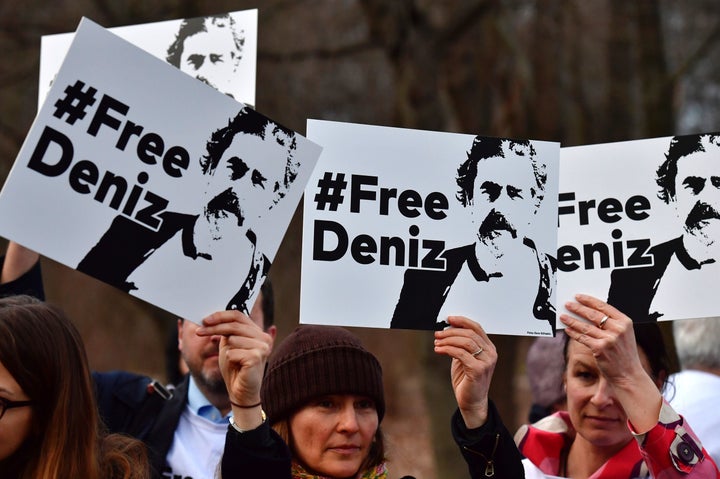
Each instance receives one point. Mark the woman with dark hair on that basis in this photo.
(617, 425)
(323, 394)
(49, 426)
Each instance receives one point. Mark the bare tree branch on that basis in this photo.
(703, 50)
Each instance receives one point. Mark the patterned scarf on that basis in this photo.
(376, 472)
(546, 442)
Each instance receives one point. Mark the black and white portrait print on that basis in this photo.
(244, 179)
(209, 49)
(501, 183)
(688, 181)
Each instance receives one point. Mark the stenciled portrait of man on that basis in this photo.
(244, 180)
(689, 182)
(502, 184)
(209, 49)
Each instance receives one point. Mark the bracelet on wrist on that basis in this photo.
(249, 406)
(237, 428)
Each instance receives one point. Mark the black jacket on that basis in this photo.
(136, 405)
(489, 451)
(30, 283)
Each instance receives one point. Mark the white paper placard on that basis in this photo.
(621, 241)
(387, 243)
(143, 177)
(220, 50)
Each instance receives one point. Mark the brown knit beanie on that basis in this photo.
(315, 361)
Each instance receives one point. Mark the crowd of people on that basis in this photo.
(313, 406)
(606, 403)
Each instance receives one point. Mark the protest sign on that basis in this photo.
(639, 226)
(220, 50)
(181, 203)
(404, 227)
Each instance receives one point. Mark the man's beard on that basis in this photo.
(699, 215)
(702, 228)
(213, 383)
(206, 81)
(222, 206)
(493, 224)
(211, 84)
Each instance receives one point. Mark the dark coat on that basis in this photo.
(489, 451)
(30, 283)
(139, 407)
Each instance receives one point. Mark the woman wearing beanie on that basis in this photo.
(322, 394)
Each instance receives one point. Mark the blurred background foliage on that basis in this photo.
(574, 71)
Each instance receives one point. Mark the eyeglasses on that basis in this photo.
(6, 404)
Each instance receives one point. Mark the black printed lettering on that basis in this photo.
(385, 195)
(436, 204)
(157, 204)
(594, 255)
(636, 208)
(568, 256)
(134, 195)
(566, 209)
(102, 117)
(357, 193)
(618, 255)
(608, 210)
(585, 207)
(176, 160)
(432, 258)
(408, 203)
(601, 249)
(129, 130)
(331, 241)
(638, 257)
(82, 174)
(414, 246)
(320, 253)
(362, 249)
(149, 147)
(111, 180)
(48, 137)
(396, 244)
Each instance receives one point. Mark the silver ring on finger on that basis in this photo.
(602, 322)
(478, 352)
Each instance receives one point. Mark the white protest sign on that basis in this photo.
(220, 50)
(387, 242)
(639, 226)
(148, 180)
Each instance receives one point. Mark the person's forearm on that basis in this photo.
(18, 261)
(475, 418)
(641, 400)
